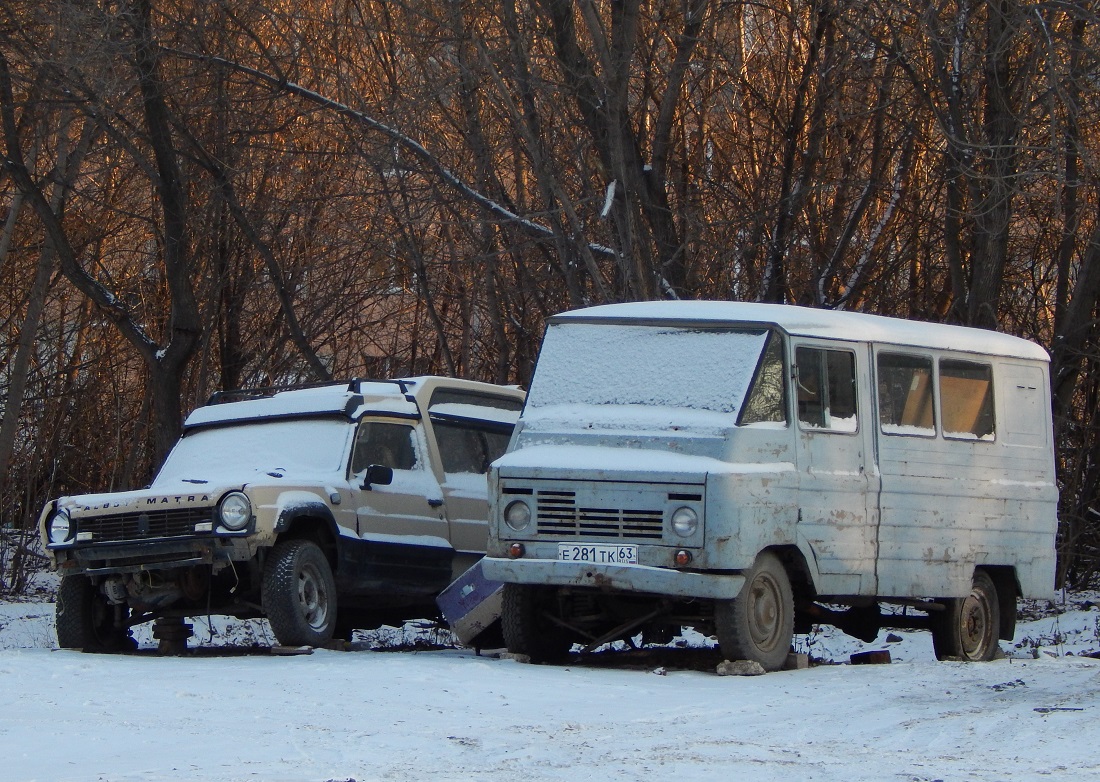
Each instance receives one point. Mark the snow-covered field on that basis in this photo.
(241, 713)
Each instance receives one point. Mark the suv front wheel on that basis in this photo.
(299, 594)
(85, 620)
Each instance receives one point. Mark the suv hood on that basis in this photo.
(174, 495)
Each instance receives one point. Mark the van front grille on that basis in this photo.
(559, 516)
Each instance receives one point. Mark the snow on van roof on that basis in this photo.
(809, 322)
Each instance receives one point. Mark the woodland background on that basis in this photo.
(206, 194)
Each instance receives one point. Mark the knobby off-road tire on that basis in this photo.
(969, 626)
(526, 628)
(758, 624)
(299, 594)
(85, 620)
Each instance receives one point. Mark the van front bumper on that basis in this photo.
(621, 578)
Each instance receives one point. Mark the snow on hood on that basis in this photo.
(633, 418)
(259, 450)
(610, 459)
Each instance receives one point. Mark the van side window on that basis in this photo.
(826, 389)
(390, 445)
(966, 400)
(767, 401)
(905, 394)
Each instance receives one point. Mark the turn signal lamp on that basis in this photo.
(516, 550)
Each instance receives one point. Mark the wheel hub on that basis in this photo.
(312, 598)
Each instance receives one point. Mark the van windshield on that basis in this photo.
(655, 366)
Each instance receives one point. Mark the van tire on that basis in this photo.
(85, 620)
(968, 627)
(758, 624)
(527, 630)
(299, 594)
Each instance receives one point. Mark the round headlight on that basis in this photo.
(60, 527)
(235, 511)
(517, 515)
(684, 522)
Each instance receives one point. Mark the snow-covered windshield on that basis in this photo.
(658, 366)
(311, 446)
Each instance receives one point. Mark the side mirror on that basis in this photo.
(379, 474)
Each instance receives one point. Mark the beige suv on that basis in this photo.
(324, 509)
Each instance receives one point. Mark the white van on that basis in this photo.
(752, 469)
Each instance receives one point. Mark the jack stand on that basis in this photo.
(172, 633)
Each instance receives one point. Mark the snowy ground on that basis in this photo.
(241, 713)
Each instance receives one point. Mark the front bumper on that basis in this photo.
(103, 559)
(622, 578)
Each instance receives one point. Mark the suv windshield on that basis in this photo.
(653, 366)
(300, 445)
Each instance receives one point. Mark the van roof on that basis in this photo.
(808, 322)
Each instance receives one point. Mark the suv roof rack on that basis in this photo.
(356, 384)
(261, 392)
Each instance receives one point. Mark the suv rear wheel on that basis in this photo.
(299, 594)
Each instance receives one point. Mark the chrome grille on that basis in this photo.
(142, 525)
(559, 515)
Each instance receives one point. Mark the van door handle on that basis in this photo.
(435, 503)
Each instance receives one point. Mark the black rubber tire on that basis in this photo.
(526, 628)
(758, 624)
(85, 620)
(299, 594)
(968, 628)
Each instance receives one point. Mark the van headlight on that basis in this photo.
(234, 511)
(684, 522)
(517, 515)
(60, 527)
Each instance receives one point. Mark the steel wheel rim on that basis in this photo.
(976, 628)
(764, 611)
(312, 597)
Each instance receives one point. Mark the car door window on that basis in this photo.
(388, 444)
(826, 389)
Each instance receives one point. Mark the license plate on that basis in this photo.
(598, 553)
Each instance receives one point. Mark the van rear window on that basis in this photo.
(966, 389)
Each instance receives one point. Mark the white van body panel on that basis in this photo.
(874, 510)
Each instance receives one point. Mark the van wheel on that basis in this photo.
(85, 620)
(527, 630)
(758, 624)
(968, 627)
(299, 594)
